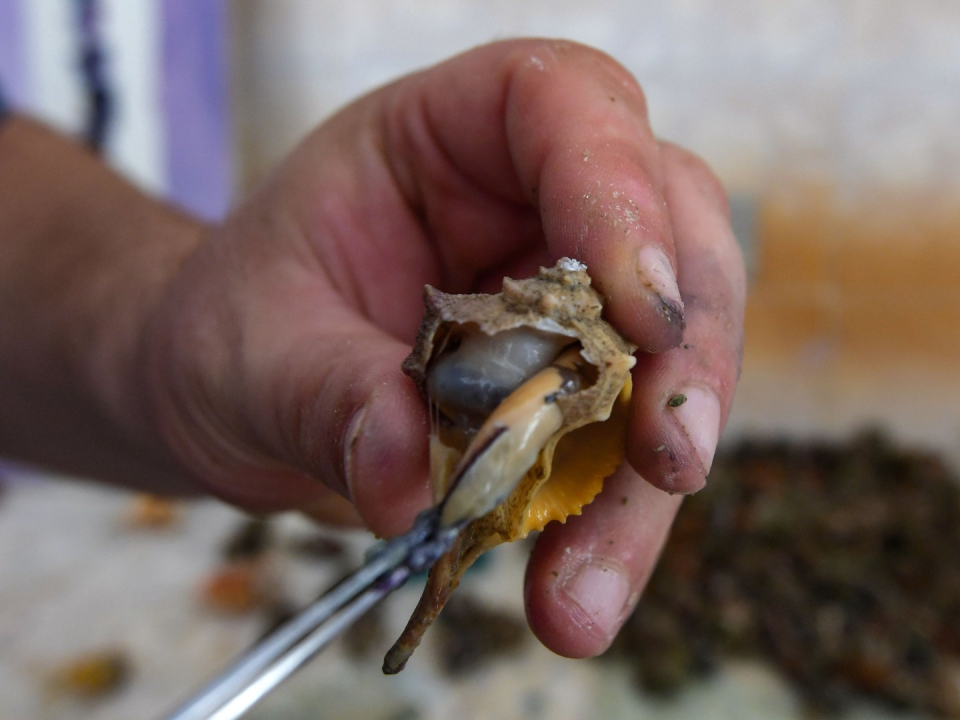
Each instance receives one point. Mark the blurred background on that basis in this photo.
(835, 126)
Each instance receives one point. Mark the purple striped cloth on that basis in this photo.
(194, 91)
(12, 71)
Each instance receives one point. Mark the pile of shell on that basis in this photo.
(838, 564)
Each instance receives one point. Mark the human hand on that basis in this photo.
(272, 364)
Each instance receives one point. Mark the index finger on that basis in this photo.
(563, 128)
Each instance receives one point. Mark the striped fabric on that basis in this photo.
(165, 66)
(10, 66)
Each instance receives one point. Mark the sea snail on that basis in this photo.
(528, 392)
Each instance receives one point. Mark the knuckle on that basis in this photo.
(681, 161)
(574, 55)
(606, 65)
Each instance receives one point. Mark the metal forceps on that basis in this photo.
(283, 651)
(485, 476)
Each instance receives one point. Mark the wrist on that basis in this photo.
(83, 258)
(150, 244)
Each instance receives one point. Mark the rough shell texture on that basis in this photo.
(558, 300)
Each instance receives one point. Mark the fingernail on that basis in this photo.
(601, 592)
(656, 273)
(350, 438)
(699, 415)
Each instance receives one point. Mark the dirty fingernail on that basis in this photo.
(699, 415)
(656, 273)
(601, 592)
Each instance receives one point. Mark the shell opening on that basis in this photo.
(529, 398)
(507, 446)
(473, 372)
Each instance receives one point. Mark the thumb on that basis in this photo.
(365, 427)
(268, 402)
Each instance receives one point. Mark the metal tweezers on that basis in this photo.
(475, 488)
(287, 648)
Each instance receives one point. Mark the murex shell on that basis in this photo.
(570, 468)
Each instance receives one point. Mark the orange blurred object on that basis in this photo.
(234, 589)
(150, 512)
(93, 675)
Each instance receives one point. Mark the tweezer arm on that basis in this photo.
(301, 653)
(293, 643)
(288, 647)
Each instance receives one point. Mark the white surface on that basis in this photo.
(73, 579)
(861, 93)
(55, 94)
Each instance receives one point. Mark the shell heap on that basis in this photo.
(556, 310)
